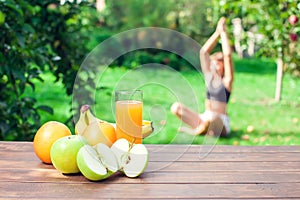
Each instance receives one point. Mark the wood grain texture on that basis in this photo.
(173, 172)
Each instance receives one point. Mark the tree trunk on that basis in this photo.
(279, 79)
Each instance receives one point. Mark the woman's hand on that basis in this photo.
(221, 27)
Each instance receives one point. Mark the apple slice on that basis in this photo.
(96, 163)
(132, 158)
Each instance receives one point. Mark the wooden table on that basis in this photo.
(173, 172)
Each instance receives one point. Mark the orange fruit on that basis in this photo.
(46, 135)
(109, 131)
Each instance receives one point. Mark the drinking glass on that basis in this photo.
(129, 111)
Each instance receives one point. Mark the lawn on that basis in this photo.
(251, 105)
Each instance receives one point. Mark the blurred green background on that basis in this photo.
(43, 44)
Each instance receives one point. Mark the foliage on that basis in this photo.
(272, 20)
(140, 57)
(186, 16)
(36, 36)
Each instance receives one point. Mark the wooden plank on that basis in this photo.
(282, 198)
(172, 148)
(224, 157)
(97, 198)
(224, 166)
(24, 164)
(16, 146)
(152, 191)
(186, 157)
(27, 146)
(168, 177)
(177, 166)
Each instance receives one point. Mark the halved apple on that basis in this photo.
(132, 158)
(96, 163)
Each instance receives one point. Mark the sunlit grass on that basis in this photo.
(251, 105)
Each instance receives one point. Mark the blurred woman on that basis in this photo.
(218, 73)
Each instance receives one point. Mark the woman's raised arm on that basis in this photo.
(205, 51)
(228, 64)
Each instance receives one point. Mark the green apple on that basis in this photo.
(96, 163)
(132, 158)
(64, 151)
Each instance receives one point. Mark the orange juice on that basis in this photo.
(129, 120)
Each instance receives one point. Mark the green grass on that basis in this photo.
(251, 104)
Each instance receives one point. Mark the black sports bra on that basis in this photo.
(219, 93)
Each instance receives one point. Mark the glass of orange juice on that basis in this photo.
(129, 110)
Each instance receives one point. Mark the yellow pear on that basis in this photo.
(100, 132)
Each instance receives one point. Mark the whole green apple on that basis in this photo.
(64, 151)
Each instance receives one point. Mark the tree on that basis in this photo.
(36, 36)
(272, 20)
